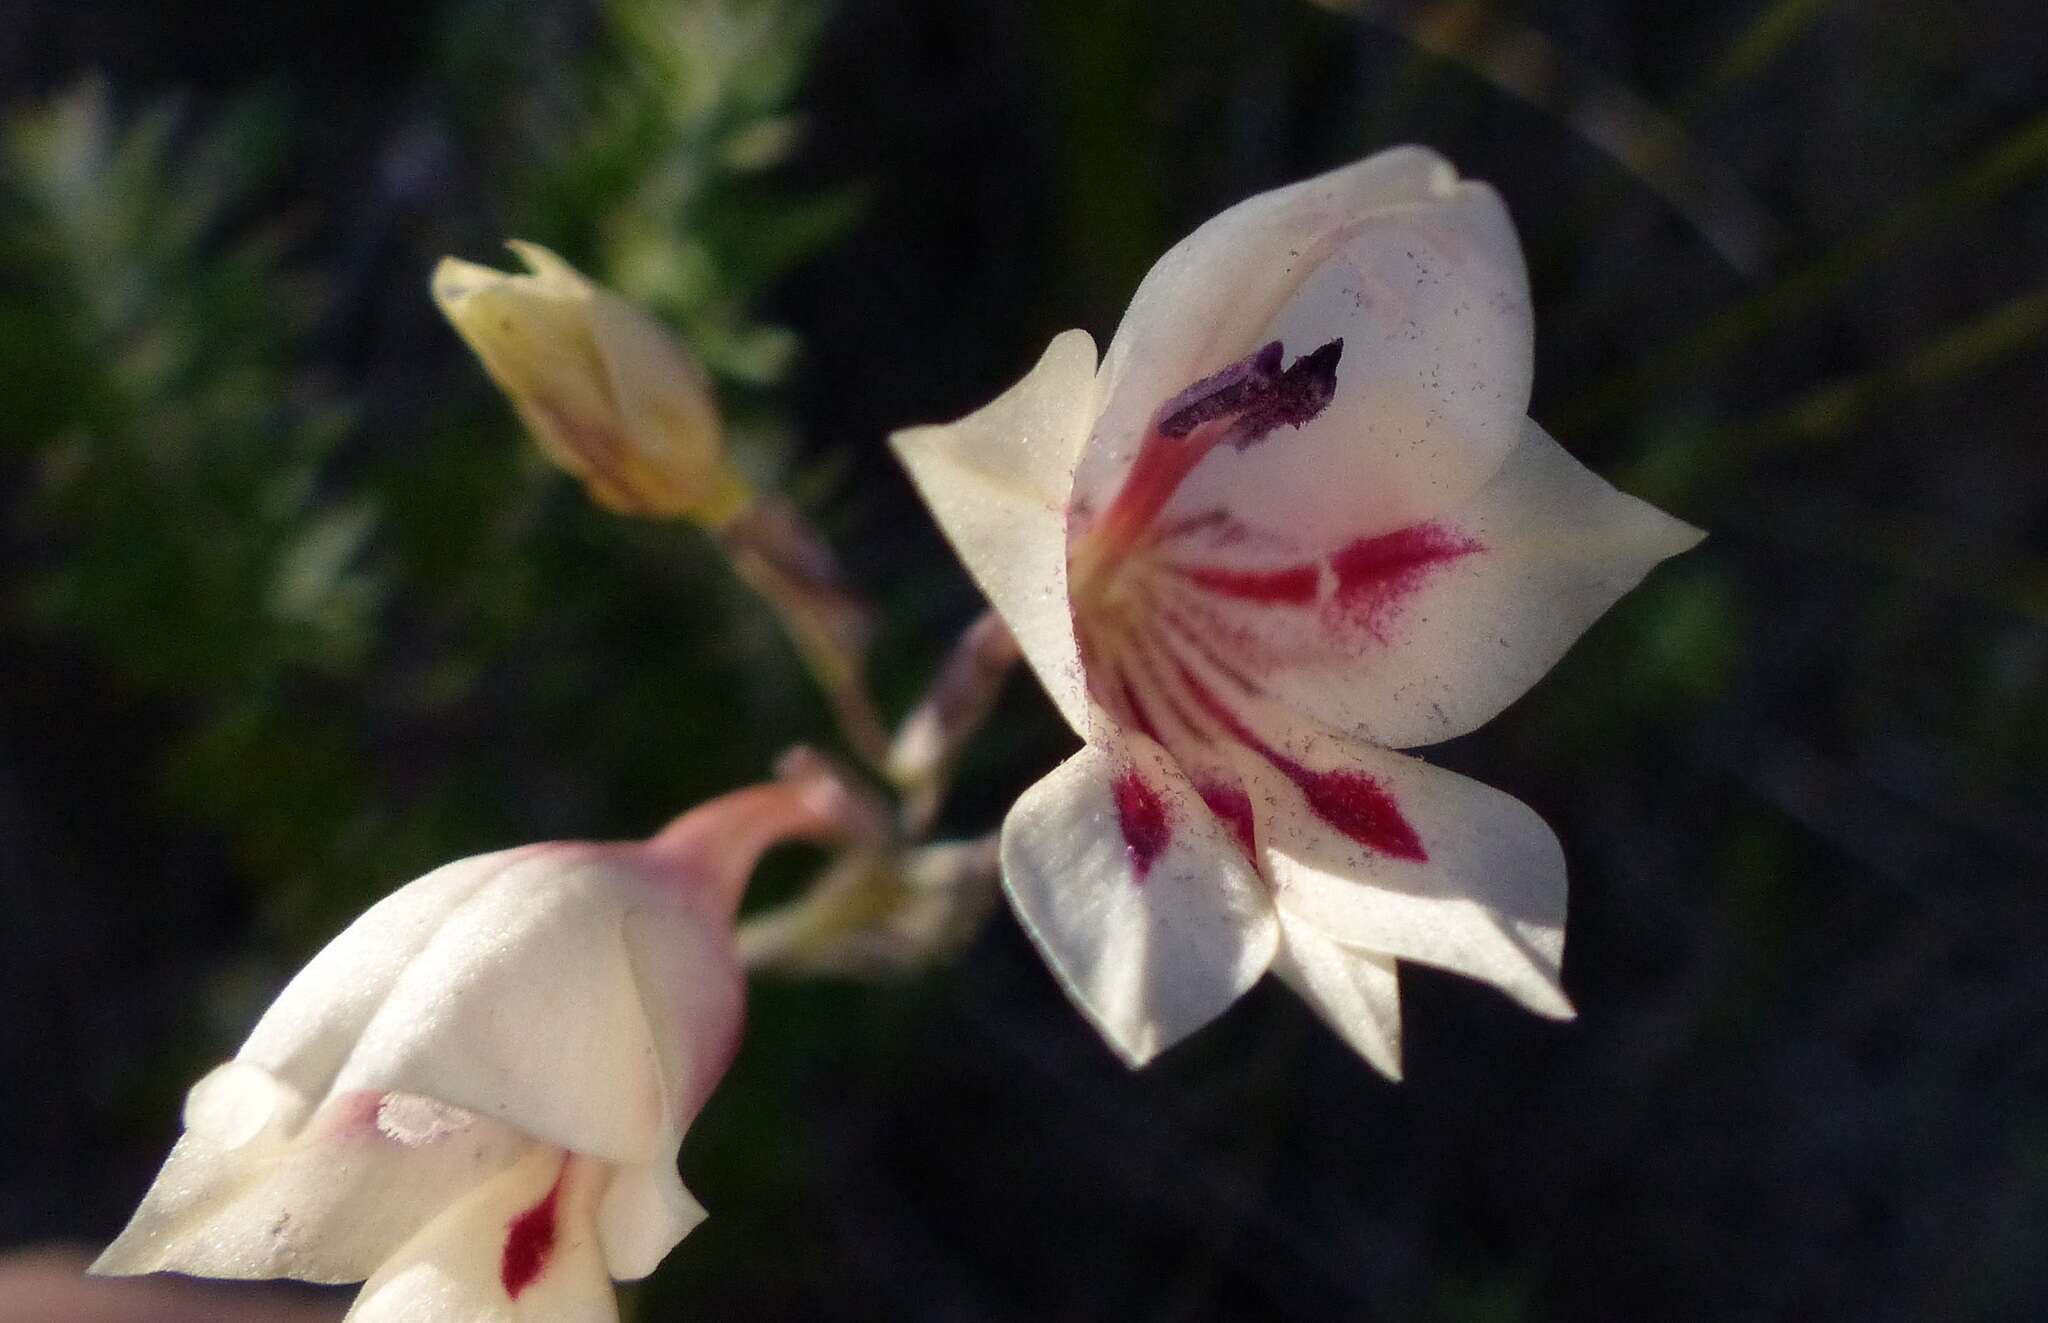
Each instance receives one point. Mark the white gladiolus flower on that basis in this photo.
(1297, 519)
(474, 1096)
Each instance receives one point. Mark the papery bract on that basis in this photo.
(474, 1096)
(608, 394)
(1295, 520)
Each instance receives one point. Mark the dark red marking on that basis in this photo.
(530, 1241)
(1358, 806)
(1141, 813)
(1374, 574)
(1233, 808)
(1351, 802)
(1293, 586)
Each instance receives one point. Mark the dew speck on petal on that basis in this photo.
(414, 1121)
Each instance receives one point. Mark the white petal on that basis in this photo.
(998, 481)
(1136, 895)
(1444, 641)
(1357, 993)
(1432, 304)
(1204, 303)
(694, 994)
(327, 1202)
(464, 1267)
(527, 1005)
(1390, 854)
(308, 1032)
(1423, 282)
(645, 1212)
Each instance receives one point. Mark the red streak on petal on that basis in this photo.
(1361, 808)
(1141, 813)
(1140, 718)
(1192, 635)
(1163, 463)
(1293, 586)
(1233, 808)
(1351, 802)
(1375, 574)
(530, 1241)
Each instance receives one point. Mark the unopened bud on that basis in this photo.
(606, 391)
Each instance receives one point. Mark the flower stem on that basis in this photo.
(928, 743)
(782, 558)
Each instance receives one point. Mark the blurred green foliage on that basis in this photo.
(206, 508)
(274, 537)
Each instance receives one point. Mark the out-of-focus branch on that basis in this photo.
(1650, 143)
(781, 557)
(929, 741)
(879, 914)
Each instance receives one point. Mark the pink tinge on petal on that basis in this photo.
(1233, 808)
(353, 1114)
(1376, 574)
(530, 1240)
(1142, 816)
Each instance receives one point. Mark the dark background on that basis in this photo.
(289, 613)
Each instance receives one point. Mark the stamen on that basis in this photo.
(1295, 396)
(1238, 406)
(1230, 391)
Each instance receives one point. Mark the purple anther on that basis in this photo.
(1297, 395)
(1221, 394)
(1257, 393)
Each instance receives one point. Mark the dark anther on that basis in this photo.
(1221, 394)
(1301, 392)
(1257, 393)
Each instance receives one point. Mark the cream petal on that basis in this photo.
(1137, 895)
(307, 1034)
(997, 481)
(1425, 633)
(694, 994)
(1357, 993)
(1207, 301)
(526, 1005)
(1431, 301)
(644, 1214)
(328, 1202)
(1383, 852)
(521, 1248)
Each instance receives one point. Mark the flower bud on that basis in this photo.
(474, 1096)
(609, 395)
